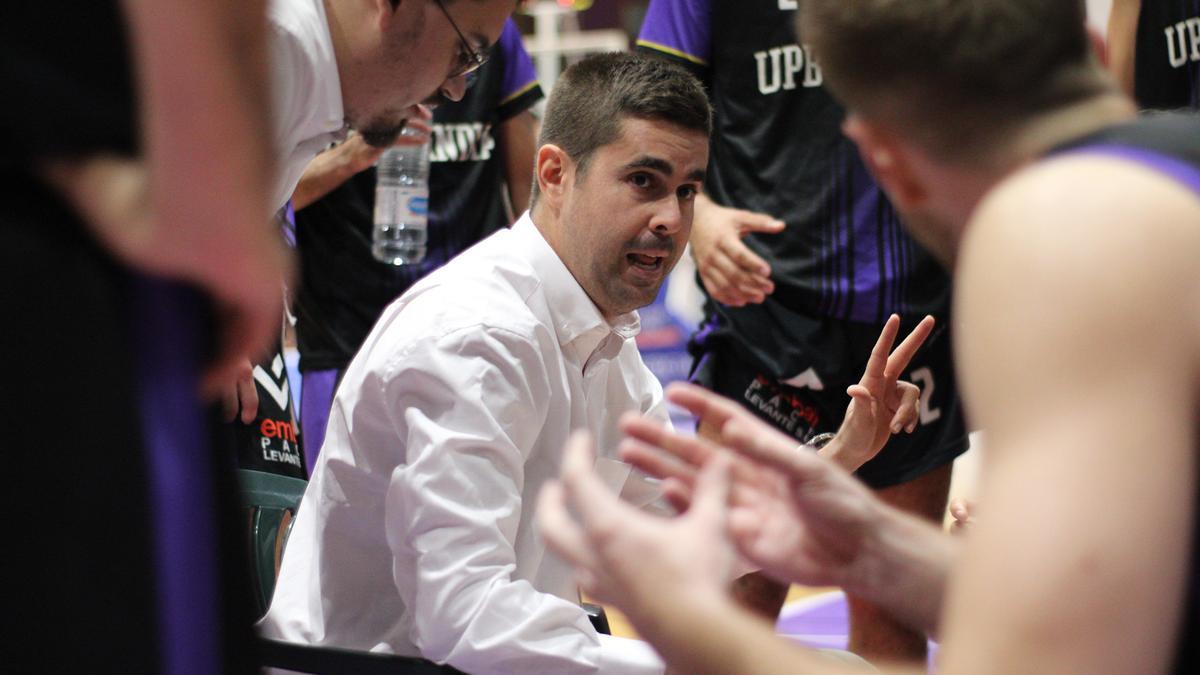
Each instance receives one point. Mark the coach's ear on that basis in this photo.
(887, 157)
(555, 173)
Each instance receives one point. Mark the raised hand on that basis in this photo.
(627, 557)
(880, 404)
(796, 515)
(731, 273)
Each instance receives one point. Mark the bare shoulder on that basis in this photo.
(1089, 230)
(1077, 272)
(1078, 349)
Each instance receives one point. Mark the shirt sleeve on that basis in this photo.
(289, 75)
(519, 88)
(469, 406)
(679, 29)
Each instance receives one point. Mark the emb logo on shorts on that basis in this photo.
(277, 432)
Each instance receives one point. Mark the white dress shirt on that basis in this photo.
(306, 94)
(417, 534)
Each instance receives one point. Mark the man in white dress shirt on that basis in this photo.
(416, 535)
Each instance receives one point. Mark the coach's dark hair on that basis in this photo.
(957, 76)
(593, 96)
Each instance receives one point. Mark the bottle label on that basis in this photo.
(401, 205)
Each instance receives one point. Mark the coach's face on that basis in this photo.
(627, 216)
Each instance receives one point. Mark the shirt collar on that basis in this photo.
(577, 321)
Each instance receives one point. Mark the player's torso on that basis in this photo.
(778, 149)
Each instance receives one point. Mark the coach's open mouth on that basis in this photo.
(650, 263)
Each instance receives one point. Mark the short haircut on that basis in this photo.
(592, 97)
(955, 76)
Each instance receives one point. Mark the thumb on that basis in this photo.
(761, 222)
(860, 394)
(961, 509)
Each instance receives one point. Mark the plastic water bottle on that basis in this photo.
(401, 205)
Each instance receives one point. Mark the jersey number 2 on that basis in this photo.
(923, 378)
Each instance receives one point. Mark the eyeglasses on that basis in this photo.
(469, 60)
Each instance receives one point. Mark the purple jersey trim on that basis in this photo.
(679, 27)
(286, 216)
(316, 398)
(1177, 169)
(519, 75)
(166, 330)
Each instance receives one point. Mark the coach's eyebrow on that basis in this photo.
(651, 162)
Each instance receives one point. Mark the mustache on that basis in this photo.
(651, 243)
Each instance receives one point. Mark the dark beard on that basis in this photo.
(378, 137)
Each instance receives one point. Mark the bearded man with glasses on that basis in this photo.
(361, 65)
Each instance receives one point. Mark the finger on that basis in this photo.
(588, 584)
(678, 494)
(663, 452)
(908, 412)
(413, 135)
(748, 284)
(878, 361)
(656, 462)
(712, 490)
(561, 533)
(692, 451)
(237, 336)
(417, 126)
(713, 409)
(719, 287)
(903, 354)
(748, 264)
(745, 526)
(961, 509)
(598, 508)
(859, 393)
(750, 297)
(777, 452)
(248, 326)
(753, 495)
(247, 394)
(229, 402)
(718, 411)
(760, 222)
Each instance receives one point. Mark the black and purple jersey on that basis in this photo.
(343, 288)
(777, 148)
(1167, 56)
